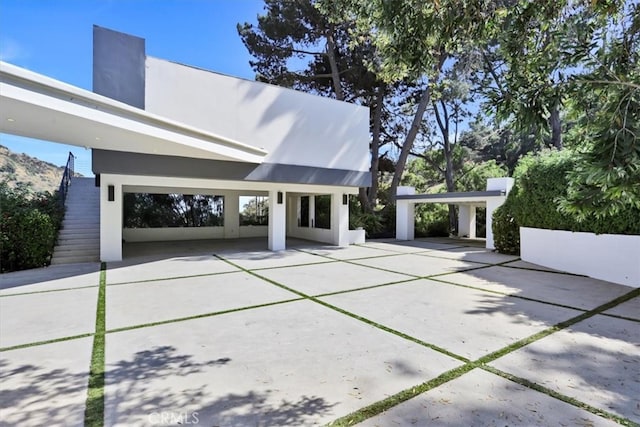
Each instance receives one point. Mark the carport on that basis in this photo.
(467, 202)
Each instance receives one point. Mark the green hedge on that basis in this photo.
(28, 228)
(540, 182)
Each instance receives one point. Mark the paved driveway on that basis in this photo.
(430, 332)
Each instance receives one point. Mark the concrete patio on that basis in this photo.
(427, 332)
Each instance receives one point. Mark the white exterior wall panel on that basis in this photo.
(293, 127)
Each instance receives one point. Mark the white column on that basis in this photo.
(405, 215)
(312, 211)
(493, 203)
(467, 221)
(339, 220)
(231, 215)
(110, 220)
(277, 221)
(405, 220)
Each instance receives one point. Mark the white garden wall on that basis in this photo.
(254, 231)
(165, 234)
(315, 234)
(611, 257)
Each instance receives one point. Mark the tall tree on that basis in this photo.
(417, 40)
(296, 45)
(586, 52)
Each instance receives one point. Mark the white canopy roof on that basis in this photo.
(36, 106)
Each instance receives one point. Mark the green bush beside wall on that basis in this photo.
(28, 228)
(540, 182)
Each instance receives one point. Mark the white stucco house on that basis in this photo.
(156, 126)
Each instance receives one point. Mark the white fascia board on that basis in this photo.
(46, 95)
(455, 200)
(143, 183)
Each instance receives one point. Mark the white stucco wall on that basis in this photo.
(611, 257)
(162, 234)
(294, 127)
(111, 221)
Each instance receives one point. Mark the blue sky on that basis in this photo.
(55, 38)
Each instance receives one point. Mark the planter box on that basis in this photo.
(611, 257)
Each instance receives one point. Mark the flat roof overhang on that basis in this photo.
(469, 197)
(36, 106)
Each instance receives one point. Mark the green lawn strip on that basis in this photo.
(537, 387)
(55, 340)
(200, 316)
(391, 401)
(94, 407)
(559, 326)
(388, 403)
(46, 291)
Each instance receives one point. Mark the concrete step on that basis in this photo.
(78, 246)
(74, 238)
(78, 250)
(73, 259)
(93, 219)
(79, 237)
(93, 206)
(89, 231)
(84, 227)
(79, 232)
(84, 220)
(83, 211)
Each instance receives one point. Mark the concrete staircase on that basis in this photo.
(79, 237)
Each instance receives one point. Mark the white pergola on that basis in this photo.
(492, 198)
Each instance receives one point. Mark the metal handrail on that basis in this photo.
(66, 178)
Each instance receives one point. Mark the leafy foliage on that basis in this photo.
(541, 183)
(607, 179)
(142, 210)
(28, 227)
(255, 211)
(506, 230)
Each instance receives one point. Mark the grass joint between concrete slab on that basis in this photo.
(94, 409)
(388, 403)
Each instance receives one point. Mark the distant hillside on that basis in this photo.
(20, 168)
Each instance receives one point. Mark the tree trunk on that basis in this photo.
(425, 99)
(368, 198)
(333, 63)
(556, 127)
(447, 148)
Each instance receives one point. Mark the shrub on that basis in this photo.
(506, 231)
(370, 222)
(432, 220)
(541, 183)
(28, 228)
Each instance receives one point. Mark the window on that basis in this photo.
(304, 211)
(323, 211)
(254, 210)
(144, 210)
